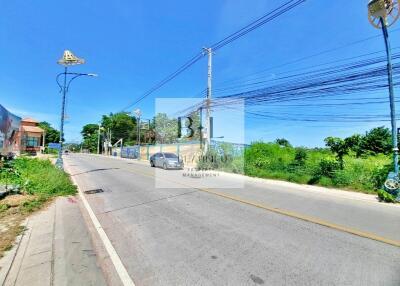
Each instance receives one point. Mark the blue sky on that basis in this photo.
(134, 44)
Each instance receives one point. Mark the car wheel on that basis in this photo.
(152, 164)
(165, 166)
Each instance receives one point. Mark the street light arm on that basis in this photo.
(69, 82)
(59, 84)
(75, 76)
(78, 75)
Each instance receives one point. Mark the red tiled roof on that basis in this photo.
(33, 129)
(28, 119)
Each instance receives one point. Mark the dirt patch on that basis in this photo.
(10, 228)
(13, 211)
(16, 200)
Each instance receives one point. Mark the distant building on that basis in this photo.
(30, 138)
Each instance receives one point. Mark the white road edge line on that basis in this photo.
(119, 267)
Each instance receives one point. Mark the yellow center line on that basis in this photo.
(291, 214)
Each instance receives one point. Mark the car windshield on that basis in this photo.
(170, 155)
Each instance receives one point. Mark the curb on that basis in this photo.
(123, 274)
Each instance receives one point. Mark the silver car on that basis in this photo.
(166, 161)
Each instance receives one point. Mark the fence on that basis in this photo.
(186, 150)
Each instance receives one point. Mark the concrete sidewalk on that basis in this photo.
(55, 249)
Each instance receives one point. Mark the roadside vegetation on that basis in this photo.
(359, 163)
(31, 184)
(160, 129)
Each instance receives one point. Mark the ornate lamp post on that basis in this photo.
(383, 14)
(68, 59)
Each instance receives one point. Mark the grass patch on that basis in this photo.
(386, 197)
(39, 182)
(301, 165)
(42, 178)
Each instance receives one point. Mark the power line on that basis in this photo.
(315, 74)
(238, 34)
(306, 68)
(258, 23)
(367, 75)
(290, 73)
(180, 70)
(312, 56)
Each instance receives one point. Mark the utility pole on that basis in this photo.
(209, 97)
(378, 15)
(98, 138)
(109, 150)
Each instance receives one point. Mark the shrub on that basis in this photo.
(379, 175)
(4, 207)
(283, 142)
(377, 141)
(40, 177)
(32, 205)
(327, 168)
(325, 181)
(342, 178)
(212, 160)
(316, 166)
(300, 157)
(386, 197)
(237, 165)
(261, 163)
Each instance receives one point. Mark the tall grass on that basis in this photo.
(311, 166)
(39, 178)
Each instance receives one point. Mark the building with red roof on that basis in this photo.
(31, 138)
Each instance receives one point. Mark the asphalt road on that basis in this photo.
(174, 230)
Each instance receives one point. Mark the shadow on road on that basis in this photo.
(94, 170)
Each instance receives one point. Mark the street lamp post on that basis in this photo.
(98, 138)
(68, 59)
(382, 14)
(138, 114)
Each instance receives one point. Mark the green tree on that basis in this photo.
(354, 143)
(283, 142)
(339, 147)
(195, 126)
(166, 129)
(90, 137)
(89, 129)
(300, 156)
(74, 147)
(52, 135)
(90, 143)
(377, 140)
(121, 125)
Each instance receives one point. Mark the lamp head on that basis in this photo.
(69, 59)
(137, 112)
(387, 10)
